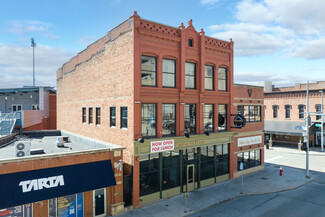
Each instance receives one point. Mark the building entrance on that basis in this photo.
(190, 184)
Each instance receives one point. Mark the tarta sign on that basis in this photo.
(37, 185)
(159, 146)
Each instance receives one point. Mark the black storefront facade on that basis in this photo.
(76, 189)
(182, 166)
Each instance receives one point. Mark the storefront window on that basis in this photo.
(208, 117)
(169, 124)
(170, 173)
(207, 162)
(66, 206)
(149, 174)
(249, 159)
(222, 159)
(222, 117)
(190, 118)
(148, 120)
(17, 211)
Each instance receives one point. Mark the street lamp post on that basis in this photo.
(322, 127)
(33, 44)
(307, 131)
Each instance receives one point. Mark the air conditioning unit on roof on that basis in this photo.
(22, 149)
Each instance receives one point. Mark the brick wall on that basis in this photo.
(102, 76)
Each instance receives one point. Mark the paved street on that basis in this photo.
(308, 200)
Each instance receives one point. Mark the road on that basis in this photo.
(306, 201)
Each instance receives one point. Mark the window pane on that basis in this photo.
(124, 117)
(222, 85)
(168, 65)
(190, 69)
(190, 75)
(209, 77)
(149, 174)
(208, 117)
(170, 173)
(148, 120)
(190, 118)
(168, 80)
(208, 83)
(222, 79)
(169, 124)
(207, 162)
(190, 82)
(222, 112)
(148, 71)
(112, 116)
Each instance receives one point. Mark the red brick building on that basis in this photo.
(167, 95)
(285, 109)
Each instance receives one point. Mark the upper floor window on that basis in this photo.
(287, 110)
(275, 111)
(169, 75)
(84, 115)
(190, 118)
(222, 117)
(222, 79)
(35, 107)
(124, 117)
(97, 116)
(148, 71)
(251, 112)
(148, 120)
(208, 117)
(17, 107)
(301, 109)
(112, 117)
(208, 77)
(190, 75)
(169, 119)
(190, 42)
(318, 108)
(90, 114)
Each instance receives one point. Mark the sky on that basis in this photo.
(275, 40)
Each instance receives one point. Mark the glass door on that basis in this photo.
(100, 202)
(190, 184)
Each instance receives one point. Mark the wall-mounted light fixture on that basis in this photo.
(141, 140)
(187, 135)
(207, 133)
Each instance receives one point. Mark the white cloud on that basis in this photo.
(16, 67)
(208, 2)
(295, 27)
(314, 49)
(22, 27)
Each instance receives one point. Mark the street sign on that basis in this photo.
(241, 166)
(318, 125)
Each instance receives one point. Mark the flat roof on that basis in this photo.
(48, 144)
(25, 89)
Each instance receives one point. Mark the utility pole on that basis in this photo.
(307, 131)
(33, 44)
(322, 128)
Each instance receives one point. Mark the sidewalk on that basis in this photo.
(312, 150)
(262, 182)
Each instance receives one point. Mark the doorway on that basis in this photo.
(190, 184)
(100, 202)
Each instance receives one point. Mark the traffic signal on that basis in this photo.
(304, 148)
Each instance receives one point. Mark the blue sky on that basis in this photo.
(275, 40)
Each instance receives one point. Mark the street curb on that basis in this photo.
(253, 194)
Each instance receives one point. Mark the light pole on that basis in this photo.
(322, 127)
(307, 132)
(33, 44)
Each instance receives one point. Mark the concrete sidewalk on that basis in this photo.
(262, 182)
